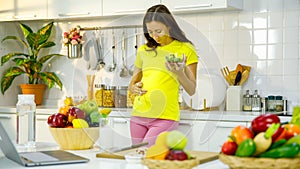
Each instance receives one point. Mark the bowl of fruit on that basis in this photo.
(76, 127)
(267, 144)
(169, 152)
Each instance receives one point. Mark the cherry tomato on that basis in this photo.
(229, 148)
(241, 133)
(291, 130)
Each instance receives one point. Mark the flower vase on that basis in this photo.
(74, 51)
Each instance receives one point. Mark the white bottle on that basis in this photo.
(26, 120)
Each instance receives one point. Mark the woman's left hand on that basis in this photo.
(176, 67)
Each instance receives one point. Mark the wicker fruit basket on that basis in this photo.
(75, 138)
(168, 164)
(235, 162)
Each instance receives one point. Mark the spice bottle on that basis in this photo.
(256, 101)
(247, 101)
(279, 103)
(271, 103)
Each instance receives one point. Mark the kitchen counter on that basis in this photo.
(104, 163)
(232, 116)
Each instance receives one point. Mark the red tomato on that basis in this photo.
(241, 133)
(229, 148)
(291, 130)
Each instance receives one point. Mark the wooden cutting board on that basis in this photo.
(202, 156)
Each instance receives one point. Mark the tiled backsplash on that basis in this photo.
(264, 35)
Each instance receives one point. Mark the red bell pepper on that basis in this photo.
(262, 122)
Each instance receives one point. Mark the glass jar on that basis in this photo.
(120, 96)
(98, 95)
(271, 103)
(247, 101)
(256, 101)
(279, 103)
(26, 120)
(108, 96)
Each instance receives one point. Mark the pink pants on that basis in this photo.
(147, 129)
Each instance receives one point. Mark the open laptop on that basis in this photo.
(38, 158)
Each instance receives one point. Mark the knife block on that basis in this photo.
(234, 98)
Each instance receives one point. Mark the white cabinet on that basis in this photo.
(220, 134)
(74, 8)
(22, 10)
(121, 7)
(121, 132)
(203, 5)
(9, 121)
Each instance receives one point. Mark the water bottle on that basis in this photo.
(26, 123)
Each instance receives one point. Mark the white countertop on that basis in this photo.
(238, 116)
(103, 163)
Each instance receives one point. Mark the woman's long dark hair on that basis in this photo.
(161, 13)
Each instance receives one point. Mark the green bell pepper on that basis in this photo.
(285, 151)
(278, 143)
(246, 148)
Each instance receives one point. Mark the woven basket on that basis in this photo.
(170, 164)
(235, 162)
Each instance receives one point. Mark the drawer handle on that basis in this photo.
(120, 121)
(131, 11)
(5, 117)
(73, 14)
(23, 16)
(193, 6)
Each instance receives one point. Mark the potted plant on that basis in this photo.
(31, 63)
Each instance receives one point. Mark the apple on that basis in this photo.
(176, 140)
(179, 155)
(57, 120)
(88, 106)
(76, 112)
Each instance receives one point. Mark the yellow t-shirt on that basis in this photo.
(161, 99)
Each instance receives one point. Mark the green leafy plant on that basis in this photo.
(30, 63)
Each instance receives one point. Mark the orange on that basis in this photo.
(64, 110)
(157, 152)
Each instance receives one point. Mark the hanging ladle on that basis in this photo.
(124, 70)
(113, 65)
(101, 63)
(131, 68)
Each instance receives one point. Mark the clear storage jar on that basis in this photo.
(108, 96)
(98, 95)
(279, 103)
(120, 96)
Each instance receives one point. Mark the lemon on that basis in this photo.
(105, 111)
(80, 123)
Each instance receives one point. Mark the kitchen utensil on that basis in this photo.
(226, 74)
(112, 67)
(131, 68)
(124, 70)
(115, 150)
(244, 77)
(238, 78)
(101, 63)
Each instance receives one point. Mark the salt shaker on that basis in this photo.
(256, 101)
(26, 120)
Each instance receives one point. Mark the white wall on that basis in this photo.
(265, 36)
